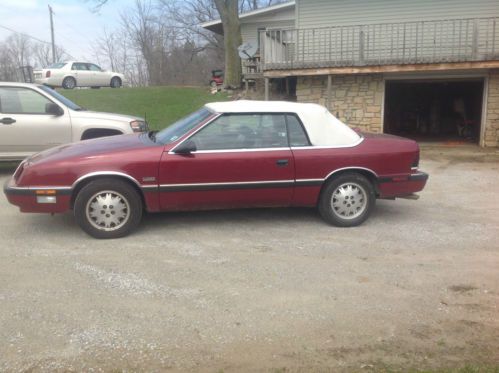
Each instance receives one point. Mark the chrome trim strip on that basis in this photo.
(226, 186)
(147, 187)
(105, 173)
(228, 183)
(352, 168)
(239, 150)
(314, 147)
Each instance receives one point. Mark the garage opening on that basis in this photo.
(434, 110)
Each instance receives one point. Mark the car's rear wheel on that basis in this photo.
(347, 200)
(69, 83)
(108, 208)
(115, 82)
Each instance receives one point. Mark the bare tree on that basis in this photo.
(228, 10)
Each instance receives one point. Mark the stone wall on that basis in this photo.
(491, 134)
(355, 99)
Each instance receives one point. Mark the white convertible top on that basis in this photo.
(323, 128)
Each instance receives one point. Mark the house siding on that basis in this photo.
(249, 31)
(325, 13)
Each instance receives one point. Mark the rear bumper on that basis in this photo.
(400, 186)
(38, 199)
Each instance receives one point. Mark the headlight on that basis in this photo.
(139, 126)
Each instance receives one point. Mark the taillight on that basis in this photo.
(47, 74)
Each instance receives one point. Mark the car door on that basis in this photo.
(240, 161)
(25, 127)
(99, 78)
(82, 74)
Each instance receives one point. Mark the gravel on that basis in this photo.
(259, 290)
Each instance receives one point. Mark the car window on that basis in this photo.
(183, 126)
(93, 67)
(297, 135)
(14, 100)
(57, 65)
(247, 131)
(79, 66)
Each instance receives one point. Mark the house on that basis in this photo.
(280, 16)
(425, 69)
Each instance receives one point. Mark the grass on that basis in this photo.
(160, 105)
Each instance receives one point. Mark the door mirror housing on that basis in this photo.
(54, 109)
(187, 147)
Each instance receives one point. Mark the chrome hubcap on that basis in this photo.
(108, 210)
(349, 201)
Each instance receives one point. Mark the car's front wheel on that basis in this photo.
(115, 82)
(347, 200)
(69, 83)
(108, 208)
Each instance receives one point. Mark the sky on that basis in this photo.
(76, 24)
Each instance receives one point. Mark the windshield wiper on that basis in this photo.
(80, 109)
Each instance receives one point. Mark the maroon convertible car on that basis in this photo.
(225, 155)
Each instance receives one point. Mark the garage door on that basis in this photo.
(434, 110)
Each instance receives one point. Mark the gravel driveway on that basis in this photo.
(416, 286)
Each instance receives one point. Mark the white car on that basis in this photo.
(35, 117)
(73, 74)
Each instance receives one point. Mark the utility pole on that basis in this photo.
(51, 12)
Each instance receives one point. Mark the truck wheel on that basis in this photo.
(108, 208)
(69, 83)
(347, 200)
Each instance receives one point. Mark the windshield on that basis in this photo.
(70, 104)
(182, 126)
(56, 65)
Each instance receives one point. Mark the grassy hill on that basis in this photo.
(161, 105)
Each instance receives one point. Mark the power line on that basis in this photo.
(24, 34)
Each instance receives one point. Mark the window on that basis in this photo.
(182, 126)
(57, 65)
(79, 66)
(93, 67)
(243, 131)
(22, 101)
(297, 135)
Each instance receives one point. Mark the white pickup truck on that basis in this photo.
(35, 117)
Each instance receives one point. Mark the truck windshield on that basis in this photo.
(182, 126)
(70, 104)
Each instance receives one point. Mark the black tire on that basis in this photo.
(96, 133)
(69, 82)
(213, 84)
(115, 82)
(347, 200)
(127, 202)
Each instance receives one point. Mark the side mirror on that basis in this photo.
(54, 109)
(187, 147)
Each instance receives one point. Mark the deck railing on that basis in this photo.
(456, 40)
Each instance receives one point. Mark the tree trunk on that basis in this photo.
(228, 10)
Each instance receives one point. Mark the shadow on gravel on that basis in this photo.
(46, 225)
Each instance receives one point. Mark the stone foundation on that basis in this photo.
(355, 99)
(491, 133)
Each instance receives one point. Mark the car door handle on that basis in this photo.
(7, 121)
(282, 162)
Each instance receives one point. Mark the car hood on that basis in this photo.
(87, 114)
(90, 149)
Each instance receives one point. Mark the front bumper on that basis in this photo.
(400, 186)
(38, 199)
